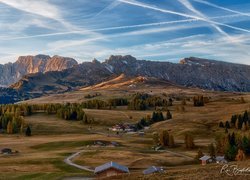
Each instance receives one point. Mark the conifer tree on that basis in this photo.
(169, 115)
(28, 131)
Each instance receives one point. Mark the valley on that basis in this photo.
(42, 155)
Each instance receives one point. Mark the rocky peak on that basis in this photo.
(119, 58)
(12, 72)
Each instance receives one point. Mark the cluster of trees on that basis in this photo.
(101, 104)
(11, 123)
(238, 121)
(163, 138)
(198, 101)
(143, 101)
(12, 118)
(88, 96)
(157, 116)
(233, 146)
(72, 112)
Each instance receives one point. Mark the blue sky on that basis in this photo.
(165, 30)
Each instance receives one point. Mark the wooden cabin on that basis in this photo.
(110, 169)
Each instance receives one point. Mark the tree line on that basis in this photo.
(238, 121)
(156, 116)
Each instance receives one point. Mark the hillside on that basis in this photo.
(126, 82)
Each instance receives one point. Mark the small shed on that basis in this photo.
(110, 169)
(153, 169)
(206, 159)
(6, 151)
(220, 160)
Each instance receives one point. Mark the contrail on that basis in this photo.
(105, 29)
(136, 3)
(222, 8)
(190, 7)
(4, 38)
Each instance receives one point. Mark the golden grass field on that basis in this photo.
(41, 155)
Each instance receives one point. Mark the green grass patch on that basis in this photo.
(61, 144)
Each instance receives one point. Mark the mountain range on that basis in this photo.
(41, 74)
(12, 72)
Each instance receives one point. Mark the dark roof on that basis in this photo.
(111, 165)
(153, 169)
(6, 150)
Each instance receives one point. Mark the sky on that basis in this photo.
(164, 30)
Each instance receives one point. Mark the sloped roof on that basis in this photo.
(111, 165)
(220, 158)
(205, 158)
(152, 169)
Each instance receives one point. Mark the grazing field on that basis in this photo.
(42, 155)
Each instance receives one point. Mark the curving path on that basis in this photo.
(68, 161)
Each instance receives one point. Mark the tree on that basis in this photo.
(227, 125)
(164, 138)
(28, 131)
(10, 127)
(189, 141)
(240, 155)
(221, 125)
(156, 138)
(244, 127)
(231, 152)
(199, 154)
(169, 115)
(242, 100)
(211, 150)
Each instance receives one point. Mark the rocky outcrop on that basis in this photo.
(12, 72)
(190, 72)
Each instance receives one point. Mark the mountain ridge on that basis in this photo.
(207, 74)
(12, 72)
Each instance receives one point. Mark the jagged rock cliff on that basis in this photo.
(12, 72)
(191, 72)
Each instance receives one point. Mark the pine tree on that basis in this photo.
(28, 131)
(169, 115)
(221, 125)
(227, 125)
(199, 154)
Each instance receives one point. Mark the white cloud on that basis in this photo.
(38, 7)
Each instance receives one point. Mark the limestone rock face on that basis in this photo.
(12, 72)
(190, 72)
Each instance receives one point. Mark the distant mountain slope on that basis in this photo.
(125, 82)
(190, 72)
(84, 74)
(12, 72)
